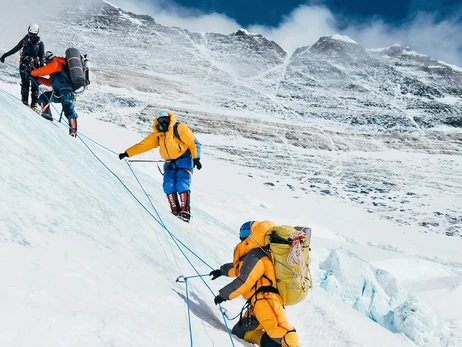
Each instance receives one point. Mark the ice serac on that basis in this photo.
(378, 295)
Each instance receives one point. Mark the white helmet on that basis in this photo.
(48, 57)
(33, 29)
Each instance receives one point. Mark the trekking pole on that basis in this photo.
(60, 116)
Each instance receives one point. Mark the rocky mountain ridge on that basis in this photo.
(328, 115)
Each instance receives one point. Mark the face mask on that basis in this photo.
(162, 124)
(33, 39)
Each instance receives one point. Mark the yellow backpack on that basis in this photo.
(289, 249)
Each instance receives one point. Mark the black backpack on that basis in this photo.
(79, 69)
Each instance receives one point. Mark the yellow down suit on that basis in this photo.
(178, 149)
(265, 321)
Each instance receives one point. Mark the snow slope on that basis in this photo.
(84, 264)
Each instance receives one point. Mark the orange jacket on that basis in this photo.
(53, 67)
(251, 266)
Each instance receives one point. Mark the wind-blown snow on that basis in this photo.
(454, 67)
(343, 38)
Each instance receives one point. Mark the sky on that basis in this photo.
(428, 27)
(272, 12)
(80, 257)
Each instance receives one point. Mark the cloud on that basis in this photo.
(168, 13)
(424, 33)
(16, 18)
(303, 27)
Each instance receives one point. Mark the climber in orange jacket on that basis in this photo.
(63, 92)
(265, 321)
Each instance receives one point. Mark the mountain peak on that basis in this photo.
(258, 42)
(110, 5)
(335, 40)
(337, 45)
(243, 32)
(343, 38)
(109, 13)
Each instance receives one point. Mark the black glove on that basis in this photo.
(218, 300)
(123, 155)
(2, 58)
(215, 274)
(197, 163)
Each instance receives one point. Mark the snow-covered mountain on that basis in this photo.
(314, 136)
(334, 109)
(335, 96)
(83, 263)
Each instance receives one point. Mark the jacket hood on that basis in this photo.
(172, 121)
(256, 239)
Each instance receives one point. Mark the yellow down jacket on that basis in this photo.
(171, 147)
(253, 269)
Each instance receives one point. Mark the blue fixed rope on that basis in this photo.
(189, 313)
(35, 82)
(163, 225)
(158, 220)
(189, 309)
(66, 125)
(174, 238)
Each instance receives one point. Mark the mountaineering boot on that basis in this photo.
(46, 112)
(290, 339)
(34, 98)
(73, 127)
(25, 96)
(174, 204)
(184, 214)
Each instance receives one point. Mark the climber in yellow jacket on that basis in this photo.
(265, 321)
(181, 152)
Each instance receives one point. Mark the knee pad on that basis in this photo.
(290, 340)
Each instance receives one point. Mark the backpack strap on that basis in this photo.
(24, 45)
(245, 307)
(175, 131)
(265, 289)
